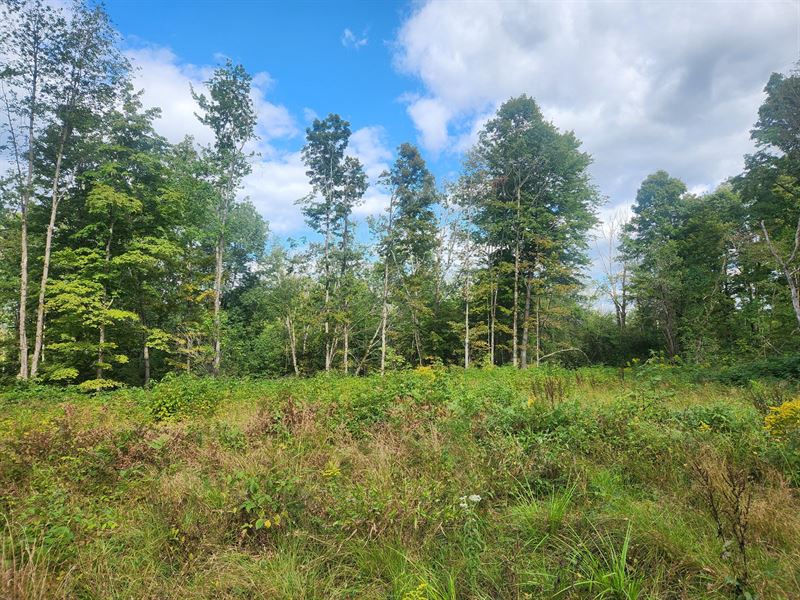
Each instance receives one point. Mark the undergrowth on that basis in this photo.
(425, 484)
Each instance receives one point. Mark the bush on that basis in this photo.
(784, 419)
(778, 367)
(185, 395)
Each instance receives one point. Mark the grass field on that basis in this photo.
(426, 484)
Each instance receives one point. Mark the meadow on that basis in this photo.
(433, 483)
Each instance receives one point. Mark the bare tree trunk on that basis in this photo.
(328, 357)
(146, 361)
(346, 347)
(384, 313)
(466, 325)
(292, 343)
(25, 197)
(417, 338)
(523, 351)
(786, 268)
(538, 330)
(623, 312)
(218, 264)
(102, 340)
(493, 311)
(23, 292)
(668, 322)
(48, 245)
(385, 306)
(514, 360)
(100, 343)
(368, 350)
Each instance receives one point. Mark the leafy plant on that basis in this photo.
(602, 569)
(784, 419)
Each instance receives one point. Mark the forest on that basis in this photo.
(486, 391)
(126, 258)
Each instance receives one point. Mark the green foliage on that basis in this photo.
(98, 385)
(602, 568)
(778, 367)
(186, 395)
(465, 481)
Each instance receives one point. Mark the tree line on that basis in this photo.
(124, 258)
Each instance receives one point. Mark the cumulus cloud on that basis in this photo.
(431, 117)
(167, 84)
(278, 177)
(351, 40)
(368, 144)
(276, 184)
(645, 85)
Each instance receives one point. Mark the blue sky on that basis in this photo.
(645, 85)
(298, 44)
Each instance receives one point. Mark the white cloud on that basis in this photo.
(351, 40)
(369, 146)
(431, 117)
(309, 114)
(274, 186)
(278, 182)
(278, 178)
(645, 85)
(166, 84)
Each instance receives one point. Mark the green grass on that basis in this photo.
(429, 484)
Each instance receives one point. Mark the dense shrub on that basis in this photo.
(186, 395)
(779, 367)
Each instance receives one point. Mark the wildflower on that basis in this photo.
(464, 501)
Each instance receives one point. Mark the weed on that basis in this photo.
(728, 497)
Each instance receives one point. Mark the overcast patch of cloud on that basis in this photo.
(645, 85)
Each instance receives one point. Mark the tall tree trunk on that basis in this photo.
(384, 313)
(368, 350)
(218, 264)
(668, 322)
(538, 329)
(344, 288)
(492, 329)
(292, 343)
(328, 352)
(385, 305)
(523, 351)
(785, 266)
(346, 348)
(417, 337)
(146, 361)
(48, 245)
(515, 311)
(24, 202)
(23, 292)
(466, 325)
(102, 340)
